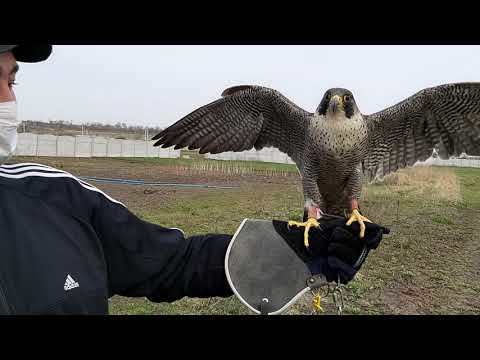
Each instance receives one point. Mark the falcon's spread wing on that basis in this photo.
(245, 117)
(445, 117)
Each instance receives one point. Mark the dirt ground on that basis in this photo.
(430, 263)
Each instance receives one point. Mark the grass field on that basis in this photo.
(429, 264)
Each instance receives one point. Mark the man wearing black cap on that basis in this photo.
(66, 246)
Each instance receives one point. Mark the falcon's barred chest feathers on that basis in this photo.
(337, 134)
(336, 144)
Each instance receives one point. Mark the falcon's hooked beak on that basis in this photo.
(336, 102)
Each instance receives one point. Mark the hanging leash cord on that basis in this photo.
(338, 297)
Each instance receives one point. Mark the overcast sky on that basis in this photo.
(157, 85)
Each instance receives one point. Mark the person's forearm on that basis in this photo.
(201, 271)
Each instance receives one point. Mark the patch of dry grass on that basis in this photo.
(239, 168)
(435, 183)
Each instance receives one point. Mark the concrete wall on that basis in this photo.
(276, 156)
(265, 155)
(468, 161)
(87, 146)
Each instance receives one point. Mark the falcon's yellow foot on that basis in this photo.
(356, 216)
(317, 303)
(308, 224)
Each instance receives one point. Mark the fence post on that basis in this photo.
(75, 147)
(36, 147)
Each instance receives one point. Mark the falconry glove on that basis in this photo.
(335, 250)
(269, 267)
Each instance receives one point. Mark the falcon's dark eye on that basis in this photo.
(327, 96)
(347, 98)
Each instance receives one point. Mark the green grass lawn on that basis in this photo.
(427, 265)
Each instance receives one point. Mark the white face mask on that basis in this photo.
(8, 129)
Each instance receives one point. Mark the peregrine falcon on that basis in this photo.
(336, 145)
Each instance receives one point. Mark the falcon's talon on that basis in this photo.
(307, 224)
(356, 216)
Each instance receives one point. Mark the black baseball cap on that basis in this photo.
(28, 53)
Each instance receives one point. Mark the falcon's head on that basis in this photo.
(337, 102)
